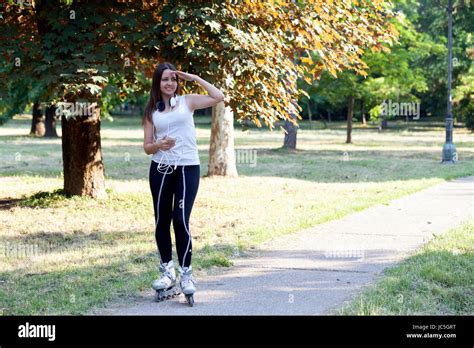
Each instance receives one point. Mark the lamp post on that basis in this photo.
(449, 150)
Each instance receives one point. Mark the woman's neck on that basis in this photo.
(166, 100)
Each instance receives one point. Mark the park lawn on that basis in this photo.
(437, 280)
(70, 255)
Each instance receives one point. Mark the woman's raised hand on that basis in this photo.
(185, 76)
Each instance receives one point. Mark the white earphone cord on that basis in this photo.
(169, 155)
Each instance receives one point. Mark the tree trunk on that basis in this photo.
(221, 150)
(82, 156)
(350, 114)
(51, 122)
(37, 122)
(290, 135)
(362, 112)
(329, 115)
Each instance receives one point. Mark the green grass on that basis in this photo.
(91, 252)
(437, 280)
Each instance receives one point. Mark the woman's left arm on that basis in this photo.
(197, 101)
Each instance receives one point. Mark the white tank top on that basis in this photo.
(178, 124)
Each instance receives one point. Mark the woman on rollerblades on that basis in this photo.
(170, 137)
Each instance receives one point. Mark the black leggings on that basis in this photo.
(181, 184)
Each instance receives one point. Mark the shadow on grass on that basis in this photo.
(51, 242)
(356, 166)
(6, 204)
(328, 166)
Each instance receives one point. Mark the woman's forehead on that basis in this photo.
(168, 73)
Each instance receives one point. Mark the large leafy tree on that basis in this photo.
(255, 51)
(71, 51)
(57, 51)
(397, 76)
(416, 68)
(430, 17)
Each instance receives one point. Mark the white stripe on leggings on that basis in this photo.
(158, 210)
(184, 217)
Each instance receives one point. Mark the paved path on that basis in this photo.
(315, 271)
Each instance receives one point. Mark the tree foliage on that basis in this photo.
(247, 48)
(415, 70)
(67, 51)
(266, 46)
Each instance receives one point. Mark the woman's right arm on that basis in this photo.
(149, 145)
